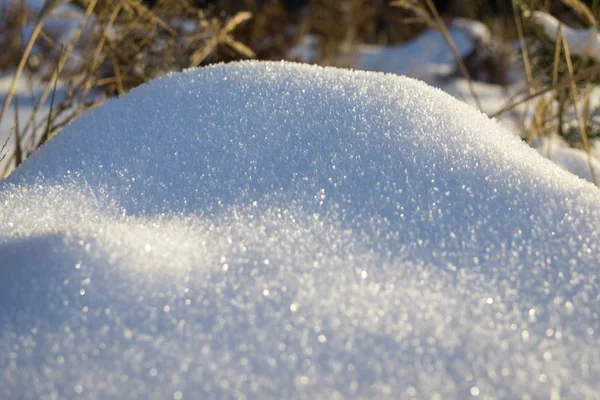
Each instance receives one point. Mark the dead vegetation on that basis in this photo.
(560, 91)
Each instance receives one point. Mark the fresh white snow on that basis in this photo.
(277, 230)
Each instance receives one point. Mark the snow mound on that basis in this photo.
(277, 230)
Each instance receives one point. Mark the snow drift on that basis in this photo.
(282, 230)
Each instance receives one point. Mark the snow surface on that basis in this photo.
(278, 230)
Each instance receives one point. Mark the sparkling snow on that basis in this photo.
(277, 230)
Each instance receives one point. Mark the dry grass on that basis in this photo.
(579, 116)
(569, 79)
(582, 11)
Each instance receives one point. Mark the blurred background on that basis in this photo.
(508, 58)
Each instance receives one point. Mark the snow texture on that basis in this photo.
(277, 230)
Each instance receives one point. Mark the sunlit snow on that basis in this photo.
(277, 230)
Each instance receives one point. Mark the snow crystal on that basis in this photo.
(277, 230)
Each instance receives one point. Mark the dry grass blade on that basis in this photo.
(64, 54)
(222, 34)
(441, 25)
(118, 75)
(580, 123)
(557, 51)
(587, 107)
(416, 7)
(543, 110)
(563, 84)
(201, 54)
(559, 93)
(145, 11)
(524, 53)
(48, 131)
(48, 8)
(18, 147)
(234, 21)
(13, 84)
(582, 11)
(2, 153)
(98, 51)
(537, 128)
(30, 124)
(239, 47)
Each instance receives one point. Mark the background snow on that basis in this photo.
(558, 150)
(61, 24)
(426, 56)
(281, 230)
(582, 42)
